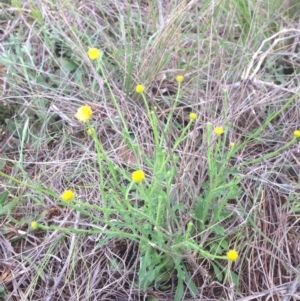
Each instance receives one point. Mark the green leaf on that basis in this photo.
(66, 64)
(281, 78)
(224, 214)
(104, 240)
(179, 270)
(224, 244)
(179, 290)
(217, 271)
(9, 206)
(10, 125)
(190, 283)
(179, 207)
(37, 15)
(162, 278)
(199, 207)
(2, 292)
(235, 278)
(3, 197)
(2, 163)
(145, 273)
(218, 230)
(215, 249)
(16, 4)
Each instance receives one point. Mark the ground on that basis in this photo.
(149, 150)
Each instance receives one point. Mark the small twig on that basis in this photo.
(62, 272)
(64, 117)
(266, 292)
(193, 264)
(84, 156)
(246, 74)
(296, 41)
(160, 15)
(278, 87)
(258, 83)
(292, 289)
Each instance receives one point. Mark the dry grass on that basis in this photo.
(46, 150)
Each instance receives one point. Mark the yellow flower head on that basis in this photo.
(33, 224)
(90, 131)
(138, 176)
(139, 88)
(94, 53)
(68, 195)
(84, 113)
(219, 130)
(297, 133)
(179, 78)
(232, 255)
(232, 144)
(193, 116)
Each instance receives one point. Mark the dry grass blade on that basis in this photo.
(67, 262)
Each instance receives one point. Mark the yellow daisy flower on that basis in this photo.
(138, 176)
(297, 133)
(232, 255)
(219, 130)
(68, 195)
(232, 144)
(84, 113)
(179, 78)
(193, 116)
(33, 224)
(94, 53)
(139, 88)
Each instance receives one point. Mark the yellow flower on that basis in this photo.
(94, 53)
(297, 133)
(90, 131)
(33, 225)
(84, 113)
(138, 176)
(232, 255)
(179, 78)
(219, 130)
(193, 116)
(68, 195)
(139, 88)
(232, 144)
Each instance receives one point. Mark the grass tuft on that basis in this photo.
(149, 150)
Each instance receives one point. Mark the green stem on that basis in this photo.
(100, 66)
(269, 155)
(182, 135)
(170, 115)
